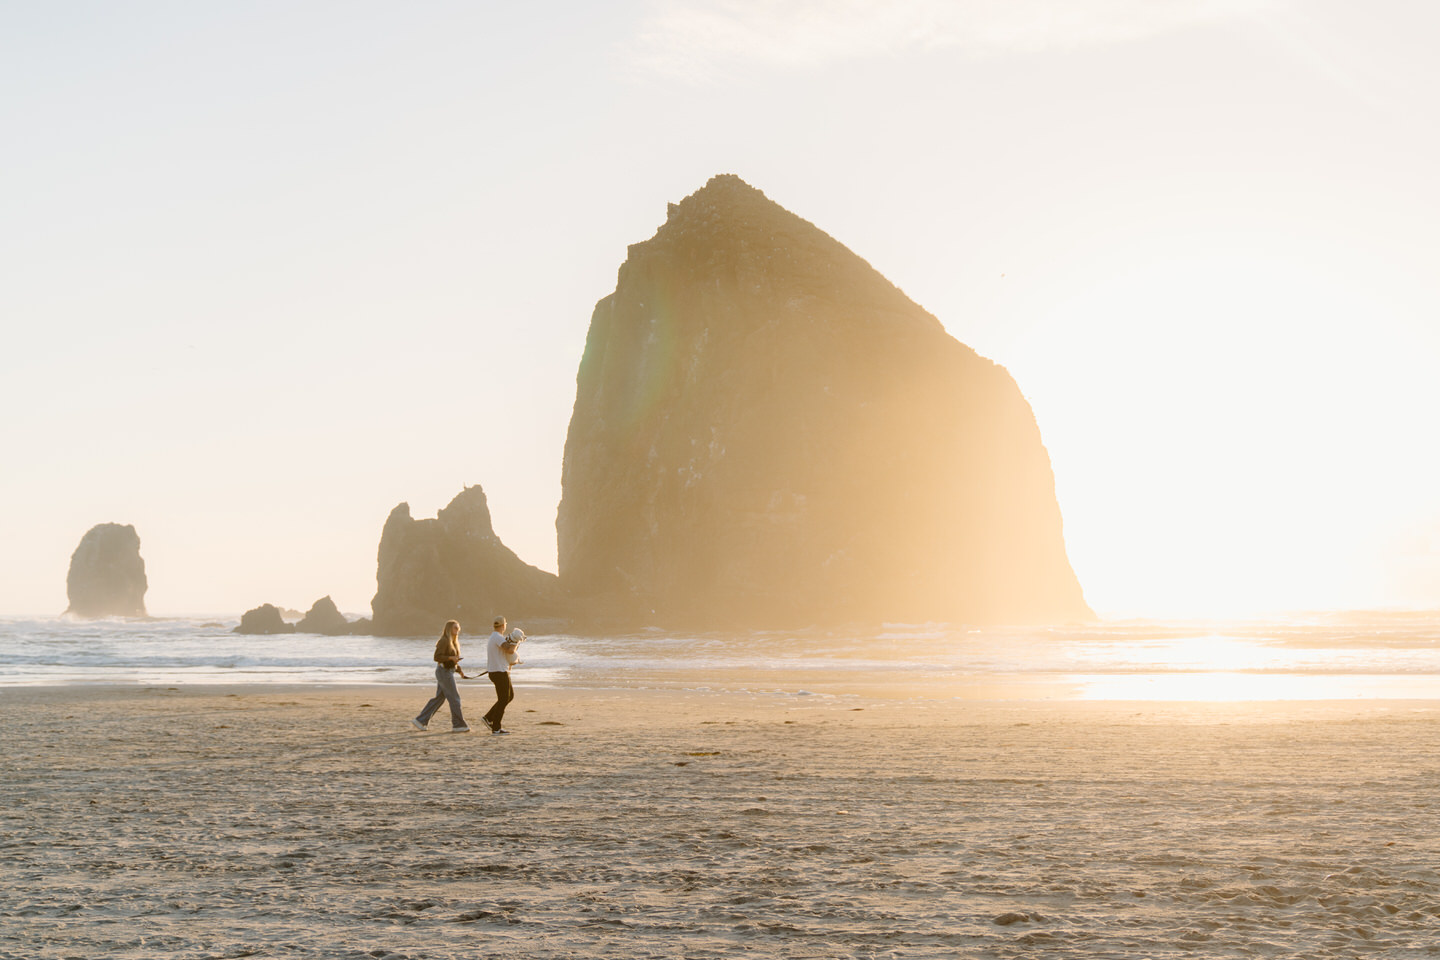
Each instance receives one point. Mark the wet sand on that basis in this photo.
(314, 822)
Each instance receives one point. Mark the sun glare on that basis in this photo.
(1215, 667)
(1233, 427)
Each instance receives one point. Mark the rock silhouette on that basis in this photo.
(324, 617)
(107, 574)
(264, 619)
(453, 567)
(767, 432)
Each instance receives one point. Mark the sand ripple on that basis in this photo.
(193, 824)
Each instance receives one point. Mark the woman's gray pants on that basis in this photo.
(445, 689)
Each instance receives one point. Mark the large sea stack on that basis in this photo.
(768, 432)
(107, 574)
(453, 567)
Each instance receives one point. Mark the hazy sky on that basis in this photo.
(268, 269)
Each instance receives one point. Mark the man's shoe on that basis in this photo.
(459, 729)
(418, 725)
(488, 725)
(497, 733)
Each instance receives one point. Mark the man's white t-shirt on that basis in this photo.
(495, 660)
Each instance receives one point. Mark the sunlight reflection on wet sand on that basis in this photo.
(1217, 686)
(1197, 686)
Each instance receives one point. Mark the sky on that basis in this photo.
(268, 269)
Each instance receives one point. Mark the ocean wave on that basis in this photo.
(929, 658)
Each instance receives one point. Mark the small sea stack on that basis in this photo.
(324, 618)
(264, 619)
(107, 574)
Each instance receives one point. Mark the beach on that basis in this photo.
(303, 821)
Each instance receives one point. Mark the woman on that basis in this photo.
(447, 664)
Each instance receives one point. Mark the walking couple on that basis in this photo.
(500, 656)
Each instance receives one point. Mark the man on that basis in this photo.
(498, 654)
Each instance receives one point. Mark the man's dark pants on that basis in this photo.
(504, 693)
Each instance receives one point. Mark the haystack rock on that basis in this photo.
(325, 618)
(107, 574)
(453, 568)
(767, 432)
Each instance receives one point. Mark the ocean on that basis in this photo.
(1306, 657)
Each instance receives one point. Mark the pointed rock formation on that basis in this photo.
(767, 432)
(324, 618)
(107, 574)
(453, 568)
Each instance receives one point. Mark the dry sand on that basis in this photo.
(313, 822)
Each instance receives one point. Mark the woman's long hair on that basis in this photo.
(450, 625)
